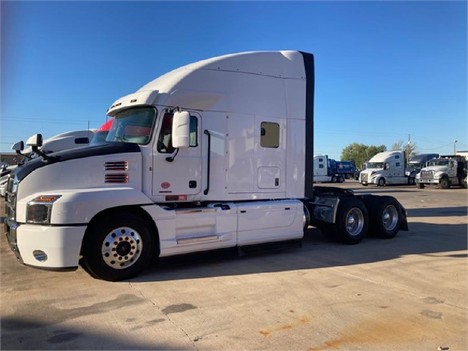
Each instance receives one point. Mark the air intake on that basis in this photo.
(117, 178)
(116, 166)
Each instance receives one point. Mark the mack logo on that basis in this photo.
(165, 185)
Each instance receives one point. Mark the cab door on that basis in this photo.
(177, 173)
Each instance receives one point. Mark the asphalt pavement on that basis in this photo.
(407, 293)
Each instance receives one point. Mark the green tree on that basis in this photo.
(360, 153)
(409, 148)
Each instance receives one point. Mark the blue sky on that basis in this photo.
(385, 70)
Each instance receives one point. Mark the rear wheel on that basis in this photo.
(351, 222)
(118, 246)
(385, 218)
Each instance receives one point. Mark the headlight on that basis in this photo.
(39, 209)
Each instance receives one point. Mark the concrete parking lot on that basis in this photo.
(408, 293)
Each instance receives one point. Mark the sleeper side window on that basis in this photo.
(269, 135)
(193, 131)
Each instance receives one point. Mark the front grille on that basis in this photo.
(10, 199)
(427, 174)
(117, 178)
(116, 166)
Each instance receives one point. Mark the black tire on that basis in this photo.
(381, 182)
(444, 183)
(385, 217)
(411, 181)
(351, 222)
(420, 185)
(118, 246)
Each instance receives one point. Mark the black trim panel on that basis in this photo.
(309, 128)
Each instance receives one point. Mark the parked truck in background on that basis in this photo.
(416, 163)
(445, 171)
(347, 169)
(59, 142)
(215, 154)
(325, 170)
(386, 167)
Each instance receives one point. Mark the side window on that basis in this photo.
(193, 131)
(270, 135)
(165, 135)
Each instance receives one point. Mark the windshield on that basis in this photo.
(134, 125)
(440, 162)
(374, 165)
(415, 166)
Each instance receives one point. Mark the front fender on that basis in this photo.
(374, 179)
(81, 205)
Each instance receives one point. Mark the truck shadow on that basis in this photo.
(19, 333)
(438, 212)
(443, 240)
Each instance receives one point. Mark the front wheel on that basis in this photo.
(118, 246)
(420, 185)
(444, 183)
(381, 182)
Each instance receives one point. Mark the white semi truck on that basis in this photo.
(324, 172)
(386, 167)
(59, 142)
(215, 154)
(444, 171)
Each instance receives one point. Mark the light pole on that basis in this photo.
(455, 146)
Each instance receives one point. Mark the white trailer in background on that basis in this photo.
(215, 154)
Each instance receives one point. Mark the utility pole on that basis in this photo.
(408, 149)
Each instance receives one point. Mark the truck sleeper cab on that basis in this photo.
(212, 155)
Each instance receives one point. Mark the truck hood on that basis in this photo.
(435, 169)
(371, 170)
(66, 155)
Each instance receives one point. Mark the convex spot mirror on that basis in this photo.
(19, 146)
(35, 141)
(181, 129)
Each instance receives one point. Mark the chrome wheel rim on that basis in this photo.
(354, 221)
(121, 248)
(390, 218)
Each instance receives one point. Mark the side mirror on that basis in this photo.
(181, 130)
(18, 147)
(35, 141)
